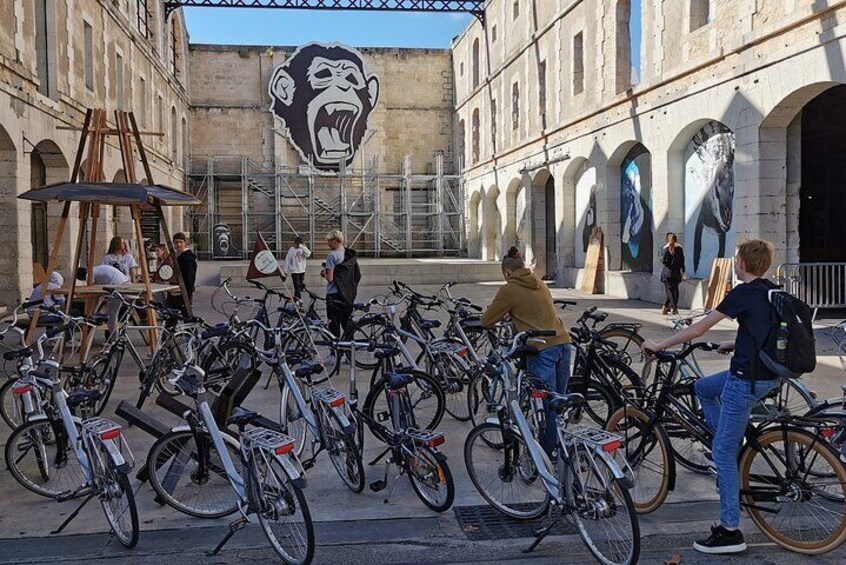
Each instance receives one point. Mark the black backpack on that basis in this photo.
(790, 348)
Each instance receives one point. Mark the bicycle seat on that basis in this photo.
(429, 324)
(396, 381)
(561, 402)
(386, 352)
(79, 398)
(242, 417)
(97, 319)
(361, 306)
(19, 354)
(217, 331)
(289, 309)
(306, 371)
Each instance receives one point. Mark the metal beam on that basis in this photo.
(475, 7)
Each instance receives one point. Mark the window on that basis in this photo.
(161, 124)
(88, 38)
(493, 126)
(493, 34)
(142, 18)
(515, 11)
(476, 135)
(461, 69)
(119, 93)
(175, 46)
(142, 101)
(628, 44)
(578, 64)
(184, 141)
(542, 87)
(45, 48)
(515, 106)
(461, 142)
(475, 62)
(174, 136)
(700, 14)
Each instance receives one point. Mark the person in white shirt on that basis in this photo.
(106, 275)
(120, 258)
(54, 282)
(295, 265)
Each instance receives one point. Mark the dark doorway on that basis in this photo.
(551, 232)
(823, 192)
(38, 223)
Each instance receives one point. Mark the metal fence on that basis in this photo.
(405, 215)
(819, 285)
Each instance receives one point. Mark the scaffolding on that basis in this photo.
(380, 214)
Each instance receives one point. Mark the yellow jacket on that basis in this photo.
(527, 299)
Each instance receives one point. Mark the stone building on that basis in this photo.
(57, 58)
(729, 125)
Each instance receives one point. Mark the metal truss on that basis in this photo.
(475, 7)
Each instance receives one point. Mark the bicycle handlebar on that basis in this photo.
(667, 356)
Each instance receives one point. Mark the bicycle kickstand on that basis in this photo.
(73, 514)
(381, 484)
(542, 532)
(234, 527)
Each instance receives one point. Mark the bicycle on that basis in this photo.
(190, 466)
(515, 476)
(778, 463)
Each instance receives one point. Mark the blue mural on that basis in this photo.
(636, 228)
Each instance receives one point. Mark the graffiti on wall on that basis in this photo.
(585, 212)
(636, 210)
(324, 95)
(708, 197)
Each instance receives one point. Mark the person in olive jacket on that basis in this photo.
(673, 273)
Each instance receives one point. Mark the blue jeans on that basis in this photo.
(552, 366)
(727, 402)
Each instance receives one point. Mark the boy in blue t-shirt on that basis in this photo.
(727, 398)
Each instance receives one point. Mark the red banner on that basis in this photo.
(263, 264)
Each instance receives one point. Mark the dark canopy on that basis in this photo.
(112, 193)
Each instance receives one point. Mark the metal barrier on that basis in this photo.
(819, 285)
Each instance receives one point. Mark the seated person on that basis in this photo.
(106, 275)
(54, 282)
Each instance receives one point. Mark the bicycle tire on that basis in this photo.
(323, 350)
(368, 329)
(349, 467)
(104, 380)
(61, 478)
(532, 501)
(278, 492)
(687, 451)
(223, 361)
(600, 401)
(613, 498)
(795, 494)
(116, 513)
(453, 372)
(11, 408)
(631, 340)
(483, 392)
(428, 472)
(630, 423)
(294, 424)
(427, 403)
(183, 444)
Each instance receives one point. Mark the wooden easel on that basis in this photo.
(719, 283)
(95, 130)
(594, 262)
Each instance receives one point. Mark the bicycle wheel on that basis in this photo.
(451, 371)
(794, 485)
(601, 507)
(646, 459)
(222, 362)
(368, 329)
(315, 344)
(431, 478)
(164, 361)
(484, 392)
(42, 462)
(628, 349)
(293, 422)
(187, 484)
(284, 514)
(102, 376)
(425, 396)
(513, 487)
(116, 496)
(792, 396)
(688, 451)
(600, 401)
(344, 451)
(11, 407)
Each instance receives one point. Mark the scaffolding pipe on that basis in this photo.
(439, 202)
(277, 207)
(342, 200)
(406, 174)
(311, 210)
(211, 203)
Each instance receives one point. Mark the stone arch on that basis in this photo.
(12, 268)
(630, 208)
(516, 217)
(808, 181)
(48, 165)
(701, 190)
(475, 222)
(579, 217)
(491, 226)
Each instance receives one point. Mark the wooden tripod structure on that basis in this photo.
(95, 131)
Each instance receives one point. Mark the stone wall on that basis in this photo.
(749, 66)
(48, 79)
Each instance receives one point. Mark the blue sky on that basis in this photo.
(233, 26)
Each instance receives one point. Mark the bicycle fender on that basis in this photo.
(346, 425)
(294, 474)
(622, 479)
(116, 456)
(225, 434)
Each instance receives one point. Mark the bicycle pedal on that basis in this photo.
(307, 464)
(238, 524)
(378, 485)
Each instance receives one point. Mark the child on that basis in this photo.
(295, 265)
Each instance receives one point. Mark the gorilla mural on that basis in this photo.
(636, 210)
(325, 96)
(222, 243)
(709, 197)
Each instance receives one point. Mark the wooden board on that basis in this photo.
(594, 262)
(719, 283)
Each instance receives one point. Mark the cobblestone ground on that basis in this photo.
(362, 528)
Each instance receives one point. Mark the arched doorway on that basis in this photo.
(47, 166)
(585, 212)
(822, 207)
(474, 237)
(636, 223)
(543, 232)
